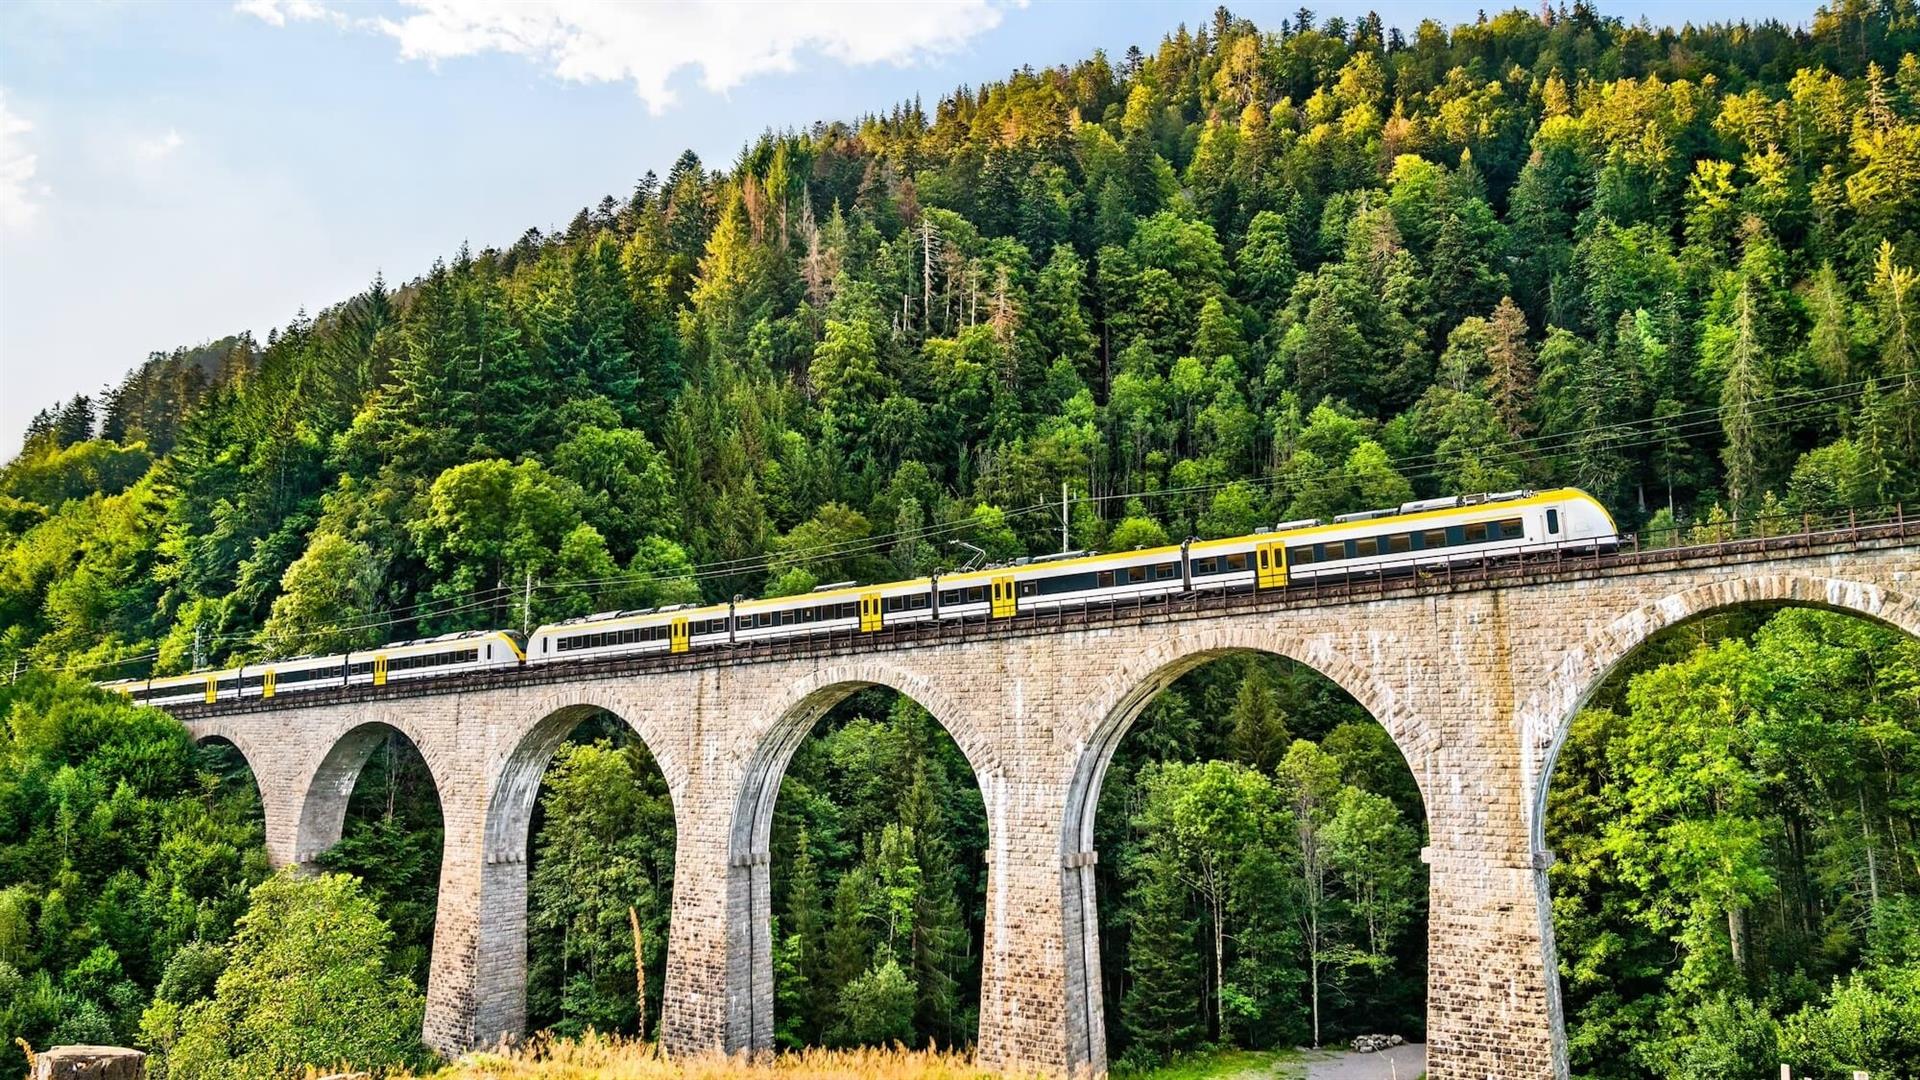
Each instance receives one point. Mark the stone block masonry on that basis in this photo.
(1476, 685)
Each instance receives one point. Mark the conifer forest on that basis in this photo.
(1245, 275)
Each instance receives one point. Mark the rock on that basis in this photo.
(1395, 1040)
(89, 1063)
(1371, 1044)
(343, 1076)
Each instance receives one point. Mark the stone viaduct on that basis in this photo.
(1476, 677)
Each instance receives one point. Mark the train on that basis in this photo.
(1414, 537)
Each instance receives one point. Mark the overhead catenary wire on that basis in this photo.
(1614, 437)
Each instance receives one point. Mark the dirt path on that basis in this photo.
(1397, 1063)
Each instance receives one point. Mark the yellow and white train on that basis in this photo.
(1408, 539)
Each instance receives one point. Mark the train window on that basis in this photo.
(1512, 529)
(786, 618)
(1237, 561)
(1028, 588)
(977, 594)
(1136, 573)
(1433, 538)
(1067, 583)
(1300, 556)
(1399, 542)
(1202, 567)
(765, 618)
(1105, 579)
(1366, 547)
(1164, 571)
(1553, 521)
(1477, 533)
(949, 596)
(919, 600)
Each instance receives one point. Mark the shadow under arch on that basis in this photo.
(330, 783)
(501, 963)
(1132, 689)
(238, 759)
(750, 975)
(1546, 718)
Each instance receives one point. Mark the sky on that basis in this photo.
(173, 173)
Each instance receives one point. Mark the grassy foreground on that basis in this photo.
(595, 1057)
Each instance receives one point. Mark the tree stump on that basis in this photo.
(90, 1063)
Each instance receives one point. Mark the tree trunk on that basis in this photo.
(1737, 937)
(1313, 975)
(639, 971)
(1219, 967)
(1873, 864)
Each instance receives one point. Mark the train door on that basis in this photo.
(1005, 597)
(678, 635)
(266, 684)
(870, 612)
(1271, 558)
(213, 688)
(380, 670)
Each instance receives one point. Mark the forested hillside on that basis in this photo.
(1256, 273)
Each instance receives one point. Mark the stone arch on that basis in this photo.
(330, 780)
(500, 976)
(1126, 694)
(1547, 715)
(765, 758)
(242, 744)
(516, 780)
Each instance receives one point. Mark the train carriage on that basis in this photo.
(674, 628)
(444, 655)
(1411, 538)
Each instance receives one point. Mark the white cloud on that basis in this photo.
(647, 44)
(159, 146)
(17, 166)
(281, 12)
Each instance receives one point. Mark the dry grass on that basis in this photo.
(595, 1057)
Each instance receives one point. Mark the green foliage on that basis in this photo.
(306, 981)
(876, 1009)
(1730, 842)
(390, 842)
(880, 912)
(123, 850)
(604, 847)
(1222, 910)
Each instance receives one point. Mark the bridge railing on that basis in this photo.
(1733, 538)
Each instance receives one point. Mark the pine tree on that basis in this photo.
(75, 422)
(1164, 979)
(1743, 392)
(1900, 345)
(1510, 378)
(809, 995)
(1257, 728)
(938, 948)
